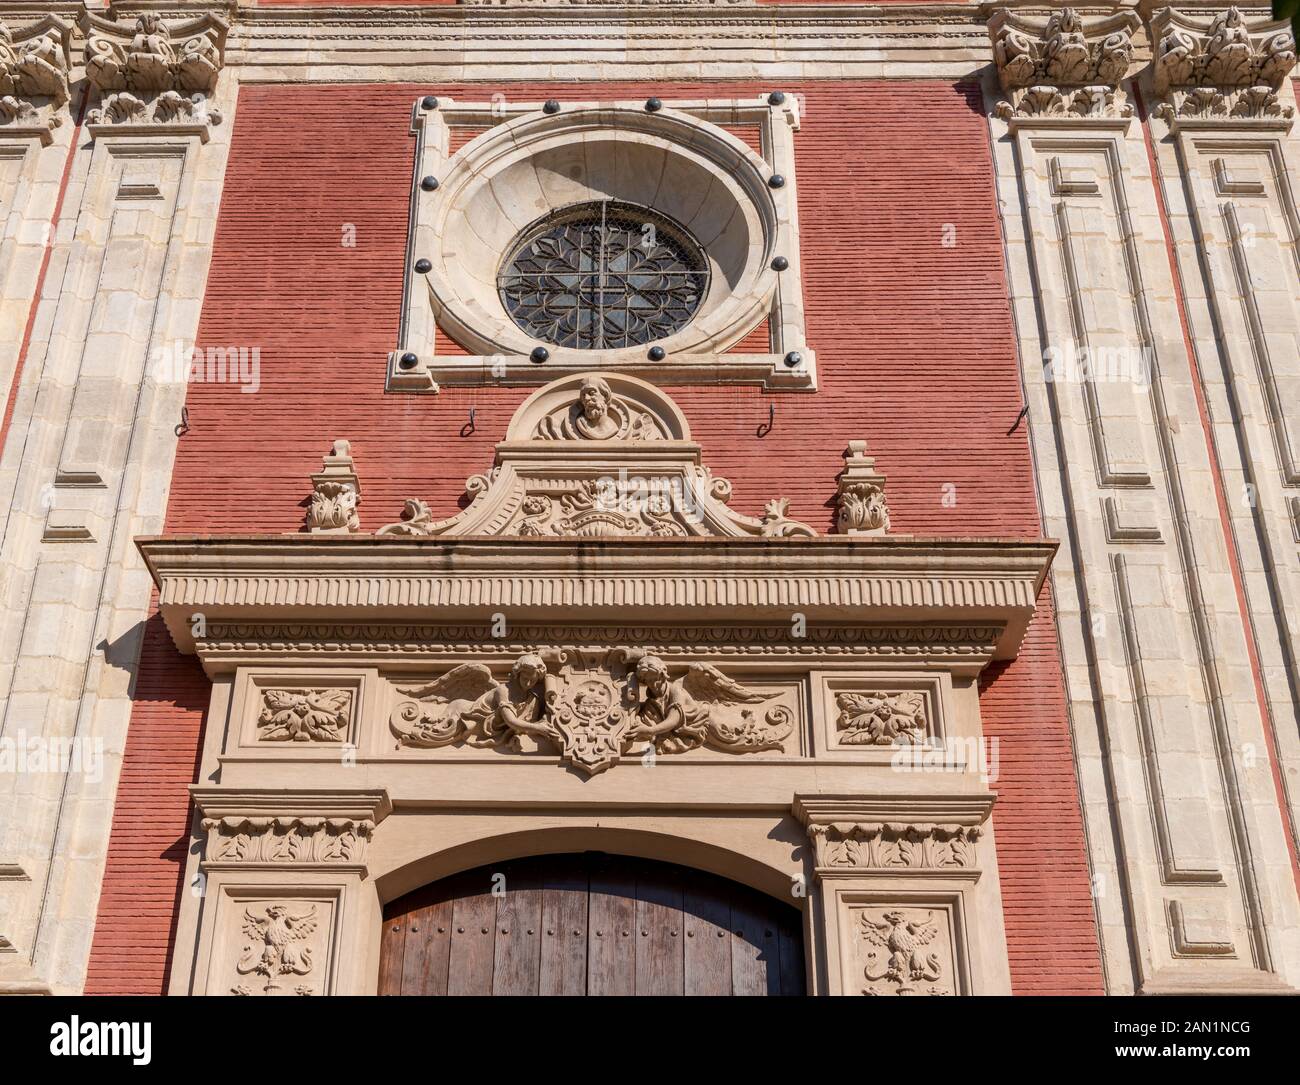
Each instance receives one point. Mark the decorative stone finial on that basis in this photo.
(336, 493)
(1058, 68)
(34, 63)
(1221, 70)
(861, 497)
(143, 77)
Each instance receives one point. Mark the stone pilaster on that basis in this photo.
(901, 905)
(87, 458)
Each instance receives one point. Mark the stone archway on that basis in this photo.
(590, 923)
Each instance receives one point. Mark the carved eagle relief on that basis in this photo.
(591, 714)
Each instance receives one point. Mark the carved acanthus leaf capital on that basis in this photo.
(34, 63)
(860, 500)
(853, 835)
(1061, 67)
(336, 493)
(1226, 68)
(288, 828)
(153, 73)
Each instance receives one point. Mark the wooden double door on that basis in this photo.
(590, 924)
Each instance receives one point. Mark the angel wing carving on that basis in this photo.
(469, 682)
(729, 726)
(434, 716)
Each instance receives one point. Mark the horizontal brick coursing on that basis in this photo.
(907, 309)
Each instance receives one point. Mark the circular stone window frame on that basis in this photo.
(468, 224)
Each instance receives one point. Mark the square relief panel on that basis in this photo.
(297, 715)
(640, 237)
(911, 944)
(268, 941)
(872, 716)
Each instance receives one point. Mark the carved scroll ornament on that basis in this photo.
(592, 712)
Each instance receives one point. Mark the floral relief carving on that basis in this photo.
(905, 952)
(1222, 70)
(890, 846)
(304, 715)
(877, 718)
(277, 946)
(593, 711)
(1061, 67)
(287, 840)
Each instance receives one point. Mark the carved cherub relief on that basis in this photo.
(591, 715)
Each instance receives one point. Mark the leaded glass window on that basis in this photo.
(600, 276)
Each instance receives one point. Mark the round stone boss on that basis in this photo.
(603, 275)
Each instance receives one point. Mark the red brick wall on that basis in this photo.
(915, 353)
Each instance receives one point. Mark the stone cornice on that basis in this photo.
(219, 802)
(370, 579)
(829, 809)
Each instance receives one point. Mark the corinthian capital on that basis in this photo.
(1225, 68)
(1057, 66)
(150, 73)
(33, 77)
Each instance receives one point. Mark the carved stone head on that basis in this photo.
(652, 674)
(528, 671)
(594, 396)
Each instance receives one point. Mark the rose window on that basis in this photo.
(600, 276)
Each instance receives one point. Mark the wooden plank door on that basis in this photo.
(590, 924)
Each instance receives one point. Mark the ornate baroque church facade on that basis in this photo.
(663, 497)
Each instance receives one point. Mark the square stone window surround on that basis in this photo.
(421, 337)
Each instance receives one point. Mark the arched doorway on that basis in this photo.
(590, 924)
